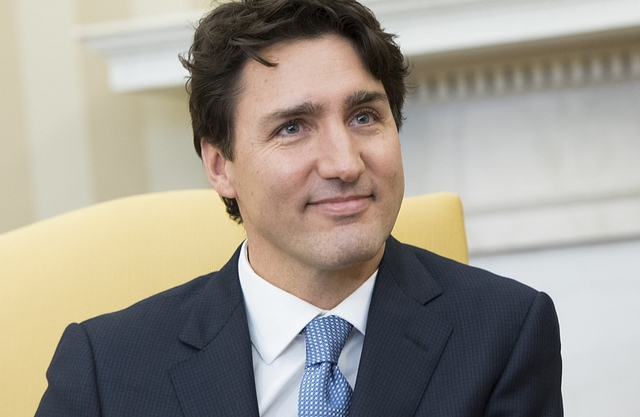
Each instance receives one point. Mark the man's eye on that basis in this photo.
(363, 119)
(290, 129)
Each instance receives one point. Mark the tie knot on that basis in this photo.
(325, 337)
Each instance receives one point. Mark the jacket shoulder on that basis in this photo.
(455, 277)
(169, 303)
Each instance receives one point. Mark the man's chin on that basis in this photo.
(350, 252)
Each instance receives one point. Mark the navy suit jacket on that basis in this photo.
(442, 339)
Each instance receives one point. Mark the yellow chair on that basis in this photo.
(108, 256)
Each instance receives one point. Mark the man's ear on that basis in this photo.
(219, 170)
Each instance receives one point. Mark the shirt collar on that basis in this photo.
(276, 317)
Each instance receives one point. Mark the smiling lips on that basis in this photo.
(343, 206)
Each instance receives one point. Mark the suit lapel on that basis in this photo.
(403, 341)
(217, 380)
(402, 346)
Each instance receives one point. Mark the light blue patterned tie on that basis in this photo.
(324, 391)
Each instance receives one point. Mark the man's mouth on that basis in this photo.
(342, 205)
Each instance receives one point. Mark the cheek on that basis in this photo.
(386, 162)
(278, 177)
(291, 167)
(399, 168)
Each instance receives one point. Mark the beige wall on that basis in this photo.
(15, 182)
(66, 140)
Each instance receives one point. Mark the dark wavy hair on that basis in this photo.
(234, 32)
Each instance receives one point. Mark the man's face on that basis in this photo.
(317, 171)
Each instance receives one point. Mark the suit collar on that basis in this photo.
(211, 310)
(404, 339)
(218, 378)
(402, 346)
(410, 275)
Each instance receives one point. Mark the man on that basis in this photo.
(296, 107)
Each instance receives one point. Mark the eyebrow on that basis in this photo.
(362, 97)
(293, 112)
(308, 108)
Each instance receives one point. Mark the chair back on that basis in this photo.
(105, 257)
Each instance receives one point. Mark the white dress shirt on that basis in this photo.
(276, 319)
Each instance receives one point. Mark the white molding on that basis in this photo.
(531, 72)
(142, 53)
(470, 25)
(553, 224)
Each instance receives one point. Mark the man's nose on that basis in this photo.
(340, 155)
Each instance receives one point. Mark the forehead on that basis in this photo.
(321, 70)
